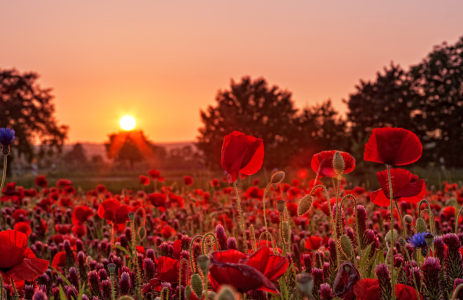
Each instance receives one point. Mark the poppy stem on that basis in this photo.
(401, 219)
(14, 288)
(1, 287)
(245, 242)
(4, 173)
(392, 230)
(263, 202)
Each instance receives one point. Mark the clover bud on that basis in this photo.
(281, 205)
(203, 263)
(304, 205)
(278, 177)
(305, 283)
(420, 225)
(408, 219)
(338, 163)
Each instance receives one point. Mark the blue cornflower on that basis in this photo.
(6, 138)
(418, 240)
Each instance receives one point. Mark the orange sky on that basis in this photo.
(162, 61)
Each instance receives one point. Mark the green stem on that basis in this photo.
(113, 291)
(135, 259)
(167, 293)
(392, 229)
(401, 219)
(1, 287)
(456, 220)
(204, 242)
(180, 276)
(359, 241)
(332, 220)
(263, 202)
(15, 291)
(4, 173)
(245, 242)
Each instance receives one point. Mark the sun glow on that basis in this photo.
(127, 122)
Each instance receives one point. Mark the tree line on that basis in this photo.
(426, 99)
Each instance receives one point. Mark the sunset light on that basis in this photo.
(127, 122)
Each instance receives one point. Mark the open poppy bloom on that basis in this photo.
(23, 227)
(322, 163)
(112, 211)
(393, 146)
(403, 188)
(313, 242)
(241, 154)
(145, 180)
(246, 273)
(81, 214)
(155, 175)
(17, 261)
(167, 271)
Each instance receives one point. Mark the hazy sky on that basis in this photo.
(162, 61)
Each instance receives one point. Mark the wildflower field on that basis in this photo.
(288, 238)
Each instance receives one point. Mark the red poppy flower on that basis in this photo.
(81, 214)
(403, 188)
(313, 243)
(100, 188)
(366, 289)
(79, 230)
(167, 231)
(449, 212)
(41, 181)
(322, 163)
(302, 173)
(296, 182)
(405, 292)
(167, 271)
(59, 261)
(229, 267)
(215, 182)
(157, 199)
(393, 146)
(23, 227)
(155, 175)
(254, 193)
(271, 265)
(292, 208)
(30, 192)
(63, 229)
(65, 202)
(17, 261)
(145, 180)
(63, 183)
(188, 180)
(241, 154)
(112, 211)
(19, 215)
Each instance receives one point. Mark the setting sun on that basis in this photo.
(127, 122)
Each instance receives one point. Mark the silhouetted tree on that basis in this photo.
(29, 110)
(133, 147)
(437, 85)
(76, 155)
(254, 108)
(385, 102)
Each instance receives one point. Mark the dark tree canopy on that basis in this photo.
(427, 99)
(133, 147)
(255, 108)
(76, 156)
(28, 109)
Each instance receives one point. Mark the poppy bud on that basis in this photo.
(281, 205)
(346, 246)
(304, 205)
(429, 239)
(188, 292)
(420, 225)
(141, 233)
(197, 285)
(278, 177)
(111, 268)
(305, 283)
(226, 293)
(131, 216)
(389, 236)
(203, 264)
(338, 163)
(408, 219)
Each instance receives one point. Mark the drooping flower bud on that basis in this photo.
(346, 246)
(305, 204)
(408, 219)
(338, 163)
(421, 225)
(203, 264)
(278, 177)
